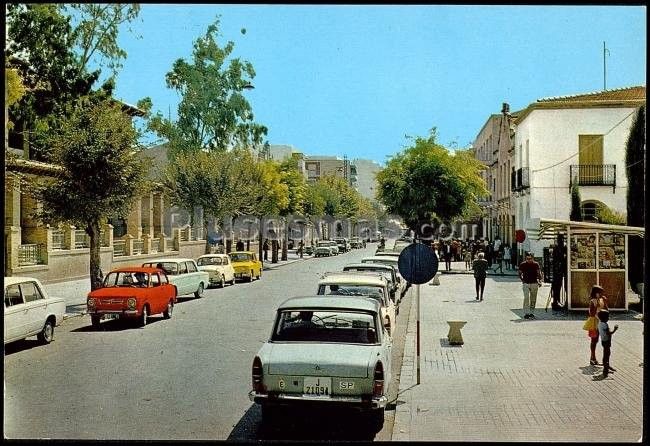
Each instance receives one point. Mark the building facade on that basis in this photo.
(366, 177)
(579, 139)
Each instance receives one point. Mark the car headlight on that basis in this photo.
(130, 303)
(91, 302)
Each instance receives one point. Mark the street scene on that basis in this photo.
(324, 223)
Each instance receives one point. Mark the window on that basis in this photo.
(183, 268)
(337, 326)
(155, 280)
(30, 292)
(13, 296)
(191, 267)
(163, 279)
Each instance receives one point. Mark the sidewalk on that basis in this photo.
(75, 291)
(514, 379)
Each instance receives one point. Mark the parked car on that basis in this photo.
(360, 284)
(246, 265)
(391, 260)
(342, 243)
(325, 352)
(309, 250)
(134, 293)
(30, 311)
(219, 267)
(400, 245)
(395, 285)
(326, 248)
(356, 242)
(184, 274)
(389, 253)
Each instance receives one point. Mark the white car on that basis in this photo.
(326, 248)
(373, 286)
(393, 261)
(325, 353)
(183, 273)
(219, 267)
(30, 311)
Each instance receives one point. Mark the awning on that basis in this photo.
(547, 228)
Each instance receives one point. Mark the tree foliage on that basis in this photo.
(576, 204)
(296, 184)
(101, 175)
(213, 113)
(426, 183)
(51, 57)
(635, 170)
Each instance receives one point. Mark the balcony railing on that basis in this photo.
(155, 245)
(593, 175)
(137, 247)
(30, 254)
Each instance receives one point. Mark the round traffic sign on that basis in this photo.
(520, 235)
(417, 263)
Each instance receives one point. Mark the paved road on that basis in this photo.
(183, 378)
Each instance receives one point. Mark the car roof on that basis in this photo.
(332, 302)
(380, 258)
(351, 277)
(242, 252)
(12, 280)
(212, 255)
(168, 259)
(134, 269)
(382, 266)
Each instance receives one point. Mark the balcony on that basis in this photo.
(593, 175)
(520, 180)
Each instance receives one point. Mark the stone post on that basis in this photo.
(128, 245)
(68, 236)
(177, 238)
(12, 236)
(146, 243)
(162, 245)
(108, 235)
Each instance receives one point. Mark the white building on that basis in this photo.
(366, 171)
(572, 139)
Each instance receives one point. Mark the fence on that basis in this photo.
(30, 254)
(58, 239)
(155, 245)
(137, 247)
(81, 239)
(119, 248)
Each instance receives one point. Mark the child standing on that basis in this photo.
(606, 340)
(468, 258)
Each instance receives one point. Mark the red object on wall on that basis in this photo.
(520, 235)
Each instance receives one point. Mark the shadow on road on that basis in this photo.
(318, 424)
(22, 345)
(116, 325)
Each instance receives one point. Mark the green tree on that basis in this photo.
(426, 183)
(48, 52)
(576, 204)
(608, 216)
(296, 186)
(213, 113)
(635, 170)
(101, 175)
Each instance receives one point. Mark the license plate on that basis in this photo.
(317, 386)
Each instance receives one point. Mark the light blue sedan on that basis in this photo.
(325, 352)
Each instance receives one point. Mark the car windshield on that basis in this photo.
(323, 244)
(203, 261)
(171, 268)
(239, 257)
(336, 326)
(376, 292)
(126, 278)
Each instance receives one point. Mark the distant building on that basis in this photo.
(366, 177)
(319, 166)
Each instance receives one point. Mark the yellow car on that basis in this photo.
(246, 265)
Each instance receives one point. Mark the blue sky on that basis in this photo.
(354, 80)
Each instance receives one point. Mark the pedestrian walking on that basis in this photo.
(531, 279)
(240, 245)
(447, 253)
(480, 267)
(597, 302)
(498, 262)
(468, 258)
(506, 257)
(606, 340)
(265, 247)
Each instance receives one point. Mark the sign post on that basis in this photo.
(417, 264)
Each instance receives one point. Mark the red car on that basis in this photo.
(132, 292)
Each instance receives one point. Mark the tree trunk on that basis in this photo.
(260, 250)
(96, 275)
(205, 234)
(274, 252)
(284, 240)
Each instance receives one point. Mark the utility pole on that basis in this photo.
(605, 52)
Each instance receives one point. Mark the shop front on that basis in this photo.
(596, 254)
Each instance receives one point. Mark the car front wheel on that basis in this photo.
(47, 334)
(142, 321)
(95, 320)
(199, 292)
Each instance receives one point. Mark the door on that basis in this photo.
(15, 314)
(184, 279)
(193, 276)
(590, 158)
(35, 304)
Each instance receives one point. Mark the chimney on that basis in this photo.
(505, 109)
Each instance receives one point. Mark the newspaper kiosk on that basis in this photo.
(596, 254)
